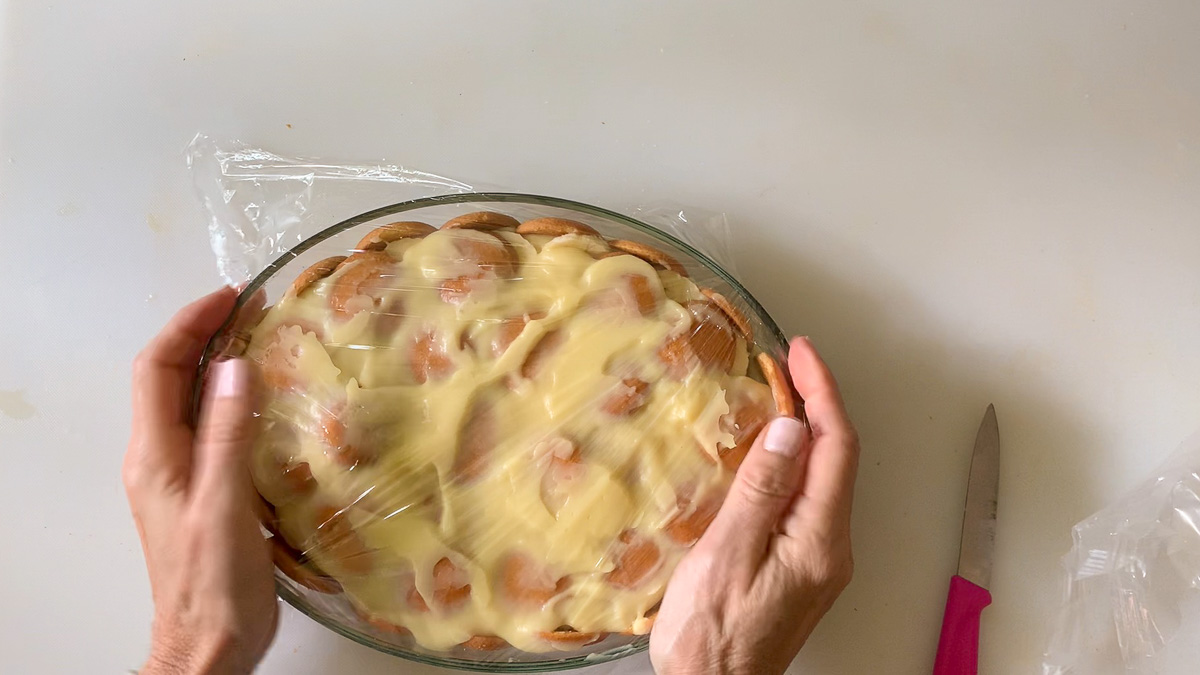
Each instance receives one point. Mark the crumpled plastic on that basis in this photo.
(259, 205)
(1132, 577)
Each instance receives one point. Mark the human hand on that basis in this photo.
(192, 500)
(747, 596)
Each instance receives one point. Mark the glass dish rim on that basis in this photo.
(260, 279)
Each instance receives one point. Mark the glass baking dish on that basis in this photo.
(333, 609)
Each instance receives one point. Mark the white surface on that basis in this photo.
(960, 202)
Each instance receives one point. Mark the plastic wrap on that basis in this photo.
(260, 205)
(493, 422)
(1133, 581)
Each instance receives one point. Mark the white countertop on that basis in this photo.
(962, 203)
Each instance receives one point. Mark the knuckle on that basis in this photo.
(227, 421)
(196, 523)
(847, 572)
(841, 571)
(131, 476)
(142, 364)
(762, 487)
(836, 570)
(133, 471)
(852, 462)
(852, 437)
(226, 429)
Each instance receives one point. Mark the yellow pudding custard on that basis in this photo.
(499, 433)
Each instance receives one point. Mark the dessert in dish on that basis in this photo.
(497, 433)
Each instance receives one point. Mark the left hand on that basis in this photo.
(193, 503)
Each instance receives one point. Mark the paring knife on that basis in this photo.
(958, 647)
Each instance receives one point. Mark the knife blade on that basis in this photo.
(958, 646)
(979, 515)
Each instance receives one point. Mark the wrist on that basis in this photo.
(712, 666)
(724, 657)
(702, 653)
(180, 655)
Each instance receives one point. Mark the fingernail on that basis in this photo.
(230, 378)
(784, 436)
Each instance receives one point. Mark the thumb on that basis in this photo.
(226, 433)
(766, 483)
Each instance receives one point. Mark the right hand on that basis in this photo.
(746, 597)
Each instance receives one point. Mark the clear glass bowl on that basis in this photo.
(334, 611)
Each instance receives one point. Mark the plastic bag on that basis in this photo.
(1133, 581)
(494, 422)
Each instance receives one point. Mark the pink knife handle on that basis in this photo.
(958, 648)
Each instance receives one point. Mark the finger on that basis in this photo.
(225, 437)
(833, 463)
(164, 370)
(234, 339)
(765, 486)
(161, 443)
